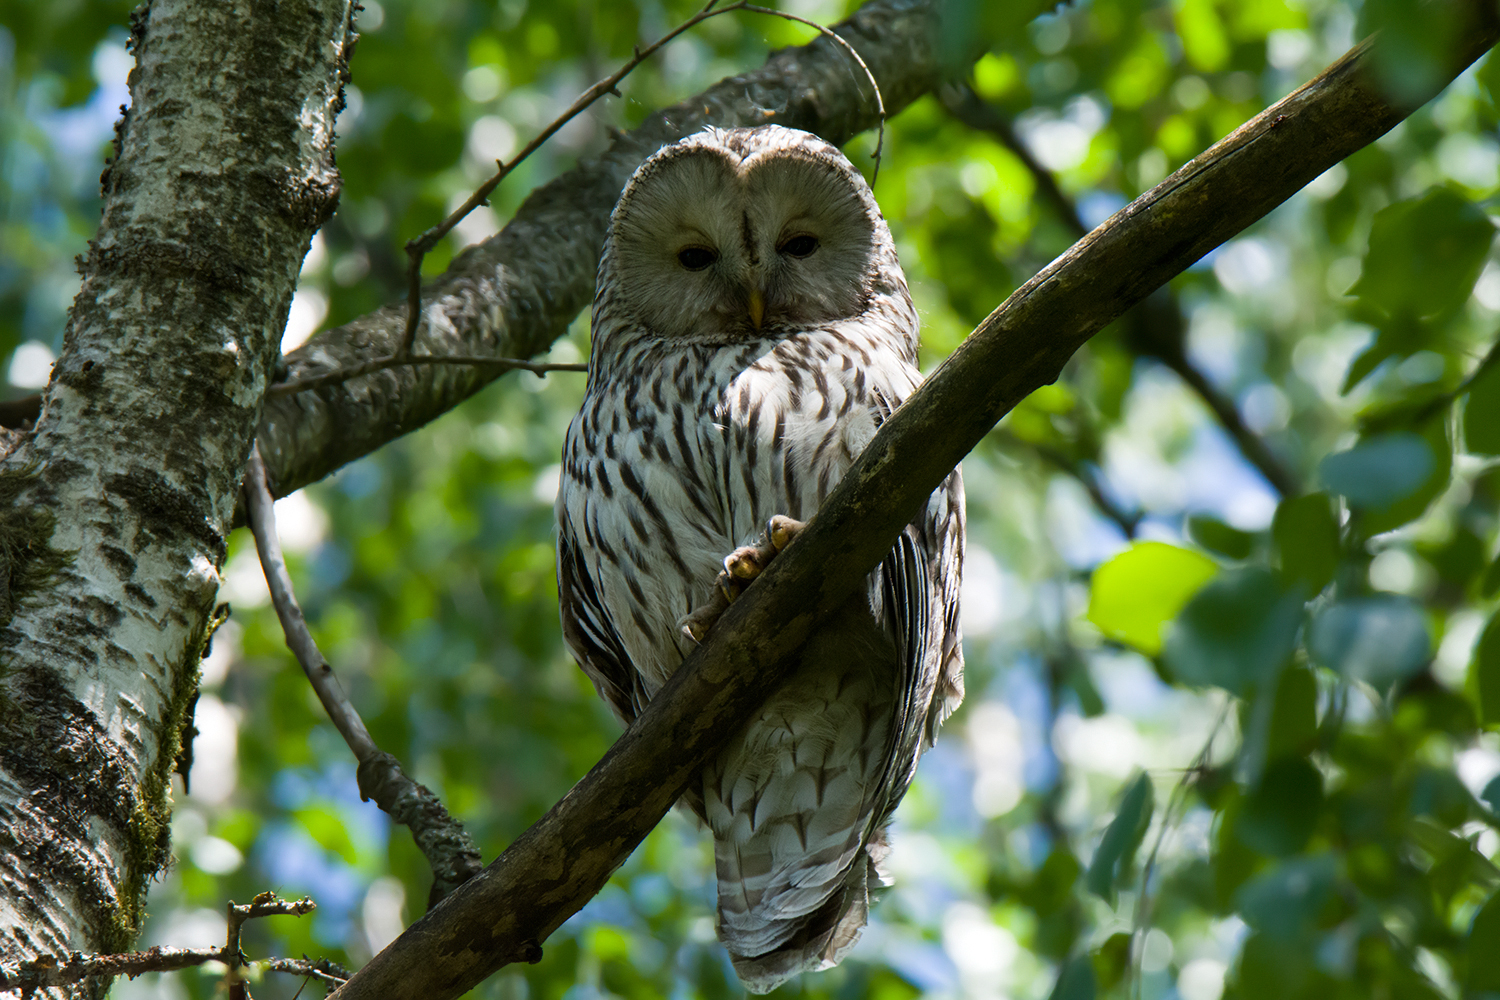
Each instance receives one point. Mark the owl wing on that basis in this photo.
(590, 633)
(919, 591)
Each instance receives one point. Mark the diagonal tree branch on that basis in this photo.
(503, 914)
(1152, 329)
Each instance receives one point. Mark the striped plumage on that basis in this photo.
(751, 330)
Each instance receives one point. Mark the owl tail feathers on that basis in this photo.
(828, 933)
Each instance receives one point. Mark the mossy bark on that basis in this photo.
(114, 510)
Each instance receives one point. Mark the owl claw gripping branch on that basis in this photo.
(751, 331)
(740, 567)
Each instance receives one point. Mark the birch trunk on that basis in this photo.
(114, 512)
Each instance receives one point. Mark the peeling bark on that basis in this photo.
(114, 511)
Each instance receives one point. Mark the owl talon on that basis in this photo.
(696, 623)
(741, 566)
(780, 531)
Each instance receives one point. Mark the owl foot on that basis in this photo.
(741, 566)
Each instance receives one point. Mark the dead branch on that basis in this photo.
(448, 848)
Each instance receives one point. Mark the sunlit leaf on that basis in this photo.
(1136, 593)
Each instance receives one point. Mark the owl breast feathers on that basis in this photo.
(751, 330)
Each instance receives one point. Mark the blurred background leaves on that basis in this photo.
(1234, 666)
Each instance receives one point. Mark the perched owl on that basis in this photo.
(751, 331)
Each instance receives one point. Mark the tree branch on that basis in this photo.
(63, 970)
(1155, 327)
(553, 868)
(515, 293)
(448, 848)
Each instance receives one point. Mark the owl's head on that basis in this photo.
(730, 234)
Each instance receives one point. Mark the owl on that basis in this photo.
(752, 329)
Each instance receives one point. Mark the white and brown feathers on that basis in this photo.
(751, 330)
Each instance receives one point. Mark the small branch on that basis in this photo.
(56, 970)
(971, 109)
(1144, 900)
(1126, 520)
(266, 904)
(1154, 328)
(382, 364)
(441, 838)
(874, 86)
(418, 247)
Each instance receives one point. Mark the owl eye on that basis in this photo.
(799, 246)
(696, 258)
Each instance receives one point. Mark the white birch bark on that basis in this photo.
(113, 514)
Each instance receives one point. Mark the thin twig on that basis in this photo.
(971, 109)
(1126, 520)
(381, 364)
(418, 247)
(265, 904)
(441, 838)
(62, 970)
(1143, 900)
(879, 98)
(1158, 336)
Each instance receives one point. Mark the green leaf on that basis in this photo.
(1378, 639)
(1391, 478)
(1283, 903)
(1121, 840)
(1236, 632)
(1294, 714)
(1484, 948)
(1204, 40)
(1482, 413)
(1135, 594)
(1306, 533)
(1216, 536)
(1279, 815)
(326, 828)
(1425, 255)
(1485, 671)
(1076, 981)
(1112, 960)
(1379, 471)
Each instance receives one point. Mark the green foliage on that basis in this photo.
(1135, 594)
(1311, 682)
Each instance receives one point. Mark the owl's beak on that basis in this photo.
(757, 307)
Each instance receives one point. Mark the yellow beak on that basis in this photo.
(757, 307)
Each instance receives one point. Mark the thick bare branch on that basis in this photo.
(448, 848)
(515, 293)
(552, 869)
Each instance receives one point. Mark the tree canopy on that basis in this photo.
(1232, 678)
